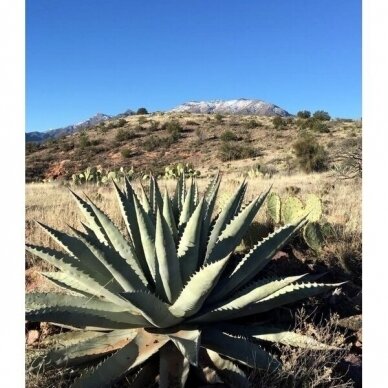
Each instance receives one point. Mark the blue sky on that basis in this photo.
(89, 56)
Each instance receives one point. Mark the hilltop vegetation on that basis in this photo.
(150, 142)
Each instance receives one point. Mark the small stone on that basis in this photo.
(32, 336)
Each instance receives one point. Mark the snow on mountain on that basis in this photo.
(241, 106)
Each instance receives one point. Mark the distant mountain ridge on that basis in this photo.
(59, 132)
(241, 106)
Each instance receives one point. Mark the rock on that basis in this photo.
(353, 323)
(32, 337)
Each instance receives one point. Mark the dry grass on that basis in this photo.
(310, 368)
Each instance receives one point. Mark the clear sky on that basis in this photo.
(89, 56)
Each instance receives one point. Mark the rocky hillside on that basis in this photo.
(153, 141)
(242, 106)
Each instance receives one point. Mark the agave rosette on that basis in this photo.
(165, 298)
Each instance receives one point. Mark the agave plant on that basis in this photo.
(168, 297)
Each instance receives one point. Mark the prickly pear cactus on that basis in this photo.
(273, 207)
(313, 236)
(313, 208)
(292, 210)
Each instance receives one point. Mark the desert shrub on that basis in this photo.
(228, 136)
(153, 126)
(278, 122)
(303, 114)
(321, 115)
(251, 124)
(200, 135)
(218, 117)
(151, 143)
(67, 146)
(142, 120)
(124, 134)
(319, 126)
(121, 123)
(126, 153)
(191, 122)
(32, 147)
(172, 126)
(232, 151)
(310, 154)
(84, 140)
(142, 111)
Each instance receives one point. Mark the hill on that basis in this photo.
(151, 142)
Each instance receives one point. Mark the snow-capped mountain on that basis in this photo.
(241, 106)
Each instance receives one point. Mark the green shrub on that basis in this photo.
(142, 120)
(84, 140)
(172, 126)
(151, 143)
(321, 115)
(153, 126)
(228, 136)
(304, 114)
(310, 154)
(232, 151)
(319, 126)
(251, 124)
(124, 134)
(278, 122)
(218, 117)
(142, 111)
(126, 153)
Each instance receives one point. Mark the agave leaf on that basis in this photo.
(252, 294)
(235, 230)
(188, 342)
(174, 368)
(89, 348)
(145, 203)
(61, 340)
(76, 318)
(69, 265)
(118, 242)
(238, 349)
(146, 375)
(152, 308)
(128, 213)
(229, 372)
(196, 194)
(147, 233)
(67, 282)
(289, 294)
(157, 200)
(187, 208)
(279, 335)
(225, 216)
(198, 288)
(120, 270)
(143, 346)
(179, 196)
(52, 299)
(189, 244)
(87, 260)
(91, 218)
(254, 261)
(210, 201)
(169, 215)
(168, 265)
